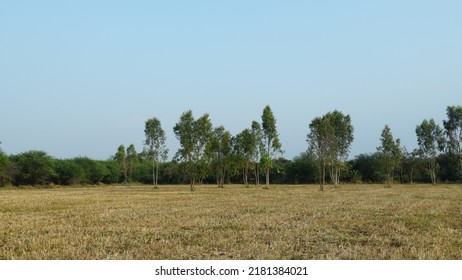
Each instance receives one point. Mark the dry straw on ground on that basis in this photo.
(282, 222)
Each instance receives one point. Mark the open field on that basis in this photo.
(282, 222)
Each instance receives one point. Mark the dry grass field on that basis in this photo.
(282, 222)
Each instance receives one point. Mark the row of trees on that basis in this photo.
(209, 154)
(206, 150)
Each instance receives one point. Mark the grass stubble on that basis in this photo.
(283, 222)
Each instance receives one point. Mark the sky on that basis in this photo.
(79, 78)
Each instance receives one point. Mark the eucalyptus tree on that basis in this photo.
(390, 152)
(410, 162)
(453, 132)
(339, 142)
(258, 148)
(121, 158)
(431, 140)
(154, 146)
(246, 149)
(330, 138)
(319, 138)
(220, 149)
(271, 140)
(132, 160)
(194, 136)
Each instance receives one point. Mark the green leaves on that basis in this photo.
(431, 140)
(194, 136)
(330, 138)
(391, 152)
(36, 168)
(271, 139)
(154, 146)
(270, 134)
(453, 129)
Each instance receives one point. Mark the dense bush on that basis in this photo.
(34, 168)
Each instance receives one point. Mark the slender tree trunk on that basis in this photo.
(267, 176)
(257, 175)
(125, 177)
(432, 171)
(157, 174)
(338, 175)
(222, 179)
(193, 188)
(246, 174)
(322, 175)
(154, 173)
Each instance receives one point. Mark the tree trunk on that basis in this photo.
(432, 171)
(193, 188)
(338, 175)
(257, 174)
(157, 174)
(246, 174)
(154, 173)
(322, 175)
(267, 176)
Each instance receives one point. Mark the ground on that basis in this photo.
(281, 222)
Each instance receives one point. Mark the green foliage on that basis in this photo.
(453, 132)
(271, 140)
(35, 168)
(390, 153)
(131, 160)
(329, 139)
(209, 155)
(94, 171)
(369, 168)
(302, 169)
(154, 146)
(5, 178)
(113, 172)
(246, 151)
(68, 172)
(257, 134)
(220, 150)
(431, 141)
(121, 158)
(194, 136)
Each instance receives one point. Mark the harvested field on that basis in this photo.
(282, 222)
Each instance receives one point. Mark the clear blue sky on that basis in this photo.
(79, 78)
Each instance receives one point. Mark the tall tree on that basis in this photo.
(339, 142)
(194, 136)
(431, 140)
(271, 140)
(121, 158)
(453, 132)
(220, 148)
(319, 138)
(410, 162)
(390, 151)
(245, 148)
(132, 160)
(330, 138)
(259, 149)
(154, 146)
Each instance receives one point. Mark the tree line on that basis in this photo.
(212, 155)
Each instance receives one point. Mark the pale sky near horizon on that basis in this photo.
(79, 78)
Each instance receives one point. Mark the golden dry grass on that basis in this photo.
(283, 222)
